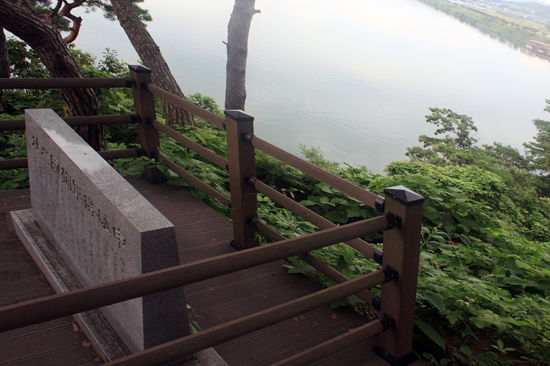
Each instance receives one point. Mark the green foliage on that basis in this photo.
(279, 175)
(205, 102)
(24, 63)
(13, 146)
(525, 209)
(45, 7)
(481, 269)
(112, 100)
(480, 274)
(211, 137)
(428, 330)
(538, 151)
(109, 12)
(282, 220)
(456, 129)
(314, 156)
(193, 318)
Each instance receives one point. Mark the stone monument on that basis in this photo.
(102, 228)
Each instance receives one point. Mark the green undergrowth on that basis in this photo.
(484, 290)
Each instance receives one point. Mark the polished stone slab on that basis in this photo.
(102, 228)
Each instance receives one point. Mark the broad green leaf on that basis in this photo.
(302, 269)
(521, 264)
(452, 319)
(353, 211)
(349, 254)
(430, 331)
(436, 300)
(341, 302)
(326, 188)
(355, 300)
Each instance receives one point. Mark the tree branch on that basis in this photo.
(77, 21)
(54, 12)
(25, 4)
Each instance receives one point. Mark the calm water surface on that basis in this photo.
(353, 77)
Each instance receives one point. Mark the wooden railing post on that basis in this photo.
(242, 165)
(145, 110)
(401, 252)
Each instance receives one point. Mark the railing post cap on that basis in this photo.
(404, 195)
(239, 115)
(139, 68)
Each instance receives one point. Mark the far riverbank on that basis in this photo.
(514, 32)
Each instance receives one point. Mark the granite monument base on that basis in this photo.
(102, 229)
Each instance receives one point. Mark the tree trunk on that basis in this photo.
(151, 56)
(4, 63)
(48, 44)
(237, 52)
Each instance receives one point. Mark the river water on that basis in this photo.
(354, 77)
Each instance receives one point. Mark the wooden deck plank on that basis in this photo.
(202, 234)
(58, 342)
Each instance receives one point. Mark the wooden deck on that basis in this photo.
(201, 233)
(58, 342)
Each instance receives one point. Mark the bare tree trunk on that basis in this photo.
(4, 63)
(48, 44)
(237, 52)
(151, 56)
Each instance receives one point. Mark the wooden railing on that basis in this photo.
(400, 219)
(19, 124)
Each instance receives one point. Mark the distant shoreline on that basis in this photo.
(514, 32)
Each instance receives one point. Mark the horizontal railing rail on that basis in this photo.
(64, 83)
(107, 155)
(319, 265)
(335, 345)
(20, 163)
(54, 83)
(358, 244)
(56, 306)
(247, 324)
(187, 142)
(352, 190)
(119, 119)
(194, 181)
(184, 104)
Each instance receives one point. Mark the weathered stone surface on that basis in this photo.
(103, 228)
